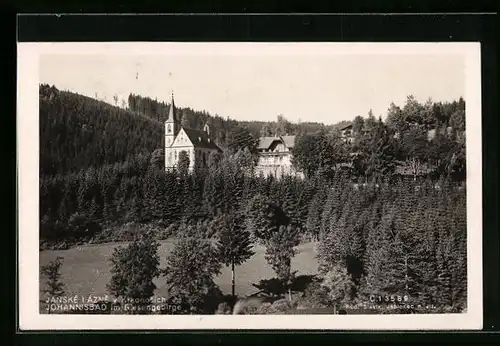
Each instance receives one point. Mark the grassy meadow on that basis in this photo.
(86, 269)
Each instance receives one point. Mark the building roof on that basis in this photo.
(200, 139)
(345, 126)
(289, 141)
(265, 142)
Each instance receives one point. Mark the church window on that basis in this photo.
(169, 128)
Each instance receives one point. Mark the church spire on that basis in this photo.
(171, 112)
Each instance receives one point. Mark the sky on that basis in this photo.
(256, 84)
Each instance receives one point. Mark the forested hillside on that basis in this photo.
(77, 132)
(400, 238)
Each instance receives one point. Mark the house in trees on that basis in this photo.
(195, 144)
(275, 156)
(346, 132)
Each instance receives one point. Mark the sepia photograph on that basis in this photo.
(294, 184)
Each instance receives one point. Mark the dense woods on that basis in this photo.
(77, 132)
(388, 211)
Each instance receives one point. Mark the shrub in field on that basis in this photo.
(191, 268)
(339, 286)
(133, 269)
(314, 296)
(223, 309)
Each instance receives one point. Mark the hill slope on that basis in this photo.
(77, 132)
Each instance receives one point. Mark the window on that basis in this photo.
(169, 128)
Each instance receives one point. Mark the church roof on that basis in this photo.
(200, 139)
(265, 142)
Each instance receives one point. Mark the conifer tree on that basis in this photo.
(136, 202)
(94, 212)
(173, 206)
(444, 258)
(84, 190)
(235, 246)
(343, 244)
(264, 217)
(280, 249)
(314, 213)
(240, 139)
(54, 286)
(153, 192)
(213, 192)
(183, 163)
(381, 269)
(458, 264)
(290, 203)
(196, 187)
(120, 198)
(329, 212)
(302, 207)
(108, 187)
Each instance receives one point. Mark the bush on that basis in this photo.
(265, 309)
(191, 268)
(133, 269)
(314, 296)
(280, 306)
(250, 310)
(223, 309)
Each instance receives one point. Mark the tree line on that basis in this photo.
(416, 140)
(223, 128)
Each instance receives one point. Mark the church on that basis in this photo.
(196, 144)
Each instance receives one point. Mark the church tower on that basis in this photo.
(171, 125)
(171, 130)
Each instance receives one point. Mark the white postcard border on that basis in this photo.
(28, 194)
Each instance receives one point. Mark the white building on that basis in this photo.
(275, 156)
(196, 144)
